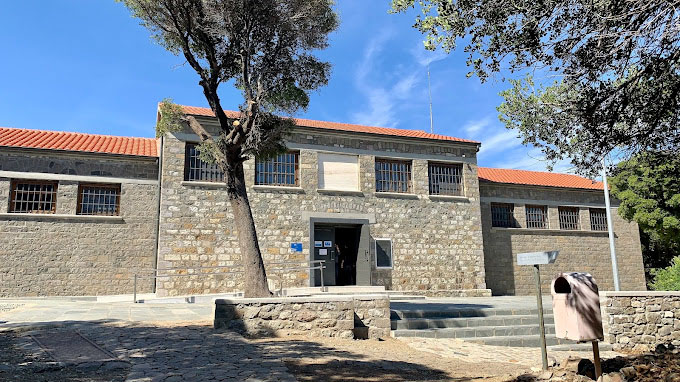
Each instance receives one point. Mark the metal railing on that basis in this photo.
(312, 265)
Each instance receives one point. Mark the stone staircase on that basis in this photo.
(489, 326)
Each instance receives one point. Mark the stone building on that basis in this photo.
(403, 209)
(78, 212)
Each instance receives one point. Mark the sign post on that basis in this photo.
(535, 259)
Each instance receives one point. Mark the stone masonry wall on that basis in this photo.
(580, 250)
(641, 320)
(319, 316)
(69, 254)
(437, 242)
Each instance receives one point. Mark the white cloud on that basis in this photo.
(500, 140)
(383, 101)
(476, 126)
(425, 57)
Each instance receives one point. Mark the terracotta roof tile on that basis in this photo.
(59, 140)
(203, 111)
(537, 178)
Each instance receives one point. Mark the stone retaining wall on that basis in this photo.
(640, 320)
(318, 316)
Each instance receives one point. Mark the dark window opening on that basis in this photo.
(99, 199)
(537, 217)
(392, 176)
(197, 170)
(446, 179)
(569, 218)
(502, 215)
(33, 197)
(598, 219)
(282, 170)
(383, 253)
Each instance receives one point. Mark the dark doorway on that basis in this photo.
(344, 250)
(346, 247)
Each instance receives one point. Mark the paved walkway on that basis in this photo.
(19, 313)
(175, 342)
(162, 342)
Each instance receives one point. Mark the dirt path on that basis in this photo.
(330, 359)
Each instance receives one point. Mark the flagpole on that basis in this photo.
(610, 227)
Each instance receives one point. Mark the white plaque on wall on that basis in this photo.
(537, 258)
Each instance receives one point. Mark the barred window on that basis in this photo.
(197, 170)
(537, 216)
(99, 199)
(502, 215)
(33, 197)
(392, 176)
(598, 219)
(569, 218)
(282, 170)
(446, 179)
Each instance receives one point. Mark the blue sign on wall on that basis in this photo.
(296, 247)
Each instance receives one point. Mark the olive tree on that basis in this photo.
(265, 48)
(615, 65)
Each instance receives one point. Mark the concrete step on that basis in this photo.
(472, 333)
(462, 313)
(404, 297)
(522, 341)
(468, 322)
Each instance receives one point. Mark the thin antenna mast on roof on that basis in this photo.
(429, 90)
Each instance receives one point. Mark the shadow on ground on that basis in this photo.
(196, 353)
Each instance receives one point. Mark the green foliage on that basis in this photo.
(263, 48)
(169, 117)
(648, 186)
(617, 66)
(667, 278)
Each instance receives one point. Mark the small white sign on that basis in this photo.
(318, 244)
(323, 252)
(537, 258)
(328, 244)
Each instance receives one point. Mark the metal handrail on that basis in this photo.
(320, 266)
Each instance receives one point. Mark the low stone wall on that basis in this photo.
(640, 320)
(316, 316)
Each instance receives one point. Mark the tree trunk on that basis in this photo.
(255, 276)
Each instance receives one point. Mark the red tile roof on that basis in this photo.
(203, 111)
(537, 178)
(59, 140)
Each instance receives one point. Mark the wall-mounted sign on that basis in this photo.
(328, 244)
(537, 258)
(296, 247)
(318, 243)
(323, 252)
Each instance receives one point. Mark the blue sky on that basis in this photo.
(87, 66)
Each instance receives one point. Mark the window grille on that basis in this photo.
(446, 179)
(392, 176)
(502, 215)
(282, 170)
(99, 199)
(197, 170)
(569, 218)
(33, 197)
(598, 219)
(537, 216)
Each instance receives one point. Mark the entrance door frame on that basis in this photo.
(330, 220)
